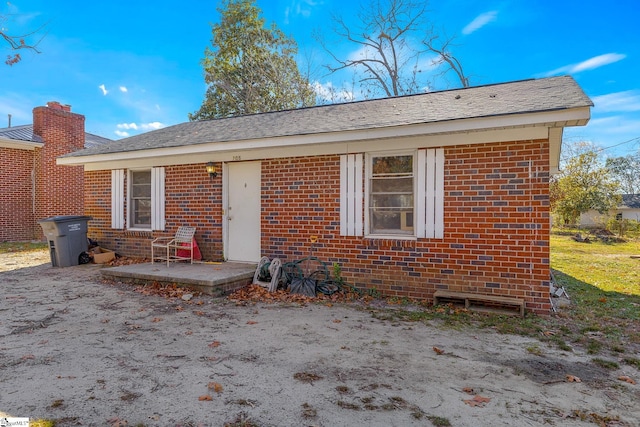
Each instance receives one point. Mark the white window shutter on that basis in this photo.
(117, 198)
(351, 195)
(157, 198)
(430, 188)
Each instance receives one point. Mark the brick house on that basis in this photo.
(33, 185)
(437, 191)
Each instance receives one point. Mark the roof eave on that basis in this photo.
(19, 145)
(551, 119)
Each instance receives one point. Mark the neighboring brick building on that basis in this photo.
(438, 191)
(33, 185)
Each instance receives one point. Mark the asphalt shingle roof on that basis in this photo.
(527, 96)
(25, 133)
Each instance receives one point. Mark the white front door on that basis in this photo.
(242, 211)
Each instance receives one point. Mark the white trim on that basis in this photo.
(225, 210)
(117, 199)
(430, 194)
(367, 193)
(439, 194)
(157, 157)
(157, 199)
(420, 188)
(351, 195)
(20, 145)
(227, 150)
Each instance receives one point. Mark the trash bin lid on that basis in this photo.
(66, 218)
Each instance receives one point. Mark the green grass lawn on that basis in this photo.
(603, 317)
(603, 283)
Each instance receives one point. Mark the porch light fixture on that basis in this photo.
(211, 170)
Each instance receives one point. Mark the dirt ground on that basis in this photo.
(85, 352)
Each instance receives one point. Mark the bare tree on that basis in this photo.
(444, 56)
(19, 42)
(394, 53)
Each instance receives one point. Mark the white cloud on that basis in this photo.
(128, 126)
(152, 126)
(626, 101)
(137, 127)
(328, 93)
(103, 89)
(480, 21)
(589, 64)
(123, 89)
(302, 8)
(122, 134)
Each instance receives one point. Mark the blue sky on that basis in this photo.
(130, 67)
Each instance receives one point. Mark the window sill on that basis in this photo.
(390, 237)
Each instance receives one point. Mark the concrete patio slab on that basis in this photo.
(217, 279)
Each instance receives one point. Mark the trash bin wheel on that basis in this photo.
(84, 258)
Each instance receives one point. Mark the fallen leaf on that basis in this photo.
(468, 390)
(438, 350)
(215, 387)
(117, 422)
(205, 397)
(337, 321)
(251, 322)
(477, 401)
(626, 379)
(198, 313)
(179, 308)
(28, 357)
(156, 319)
(573, 379)
(215, 344)
(548, 333)
(189, 333)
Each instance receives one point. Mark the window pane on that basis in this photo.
(138, 191)
(398, 201)
(140, 199)
(141, 177)
(142, 212)
(384, 221)
(392, 185)
(391, 197)
(392, 165)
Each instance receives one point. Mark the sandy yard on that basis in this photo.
(86, 352)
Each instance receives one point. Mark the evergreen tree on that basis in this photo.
(250, 68)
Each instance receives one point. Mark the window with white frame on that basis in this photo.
(390, 194)
(403, 194)
(145, 199)
(140, 198)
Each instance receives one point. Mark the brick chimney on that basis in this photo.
(59, 190)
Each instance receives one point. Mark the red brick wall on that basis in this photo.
(496, 223)
(496, 226)
(16, 197)
(191, 199)
(59, 189)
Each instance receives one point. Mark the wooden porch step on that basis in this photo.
(482, 302)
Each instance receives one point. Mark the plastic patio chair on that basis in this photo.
(171, 246)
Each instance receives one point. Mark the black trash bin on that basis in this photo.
(67, 237)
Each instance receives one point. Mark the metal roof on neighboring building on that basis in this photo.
(25, 133)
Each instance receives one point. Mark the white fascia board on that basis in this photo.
(438, 133)
(20, 145)
(555, 146)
